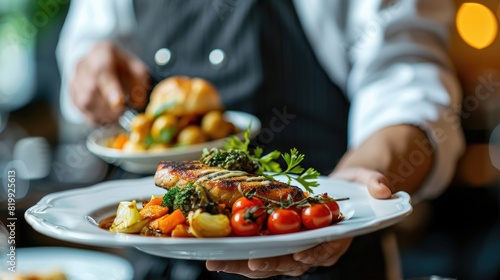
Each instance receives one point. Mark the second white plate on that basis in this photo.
(146, 162)
(75, 264)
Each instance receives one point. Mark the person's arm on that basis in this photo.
(402, 153)
(88, 23)
(391, 59)
(402, 76)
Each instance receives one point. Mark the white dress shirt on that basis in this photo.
(390, 58)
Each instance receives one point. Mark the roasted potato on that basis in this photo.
(181, 111)
(131, 147)
(190, 135)
(140, 128)
(164, 128)
(159, 147)
(215, 126)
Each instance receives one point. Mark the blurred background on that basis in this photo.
(456, 235)
(48, 154)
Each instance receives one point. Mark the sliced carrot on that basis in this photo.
(153, 211)
(181, 230)
(155, 201)
(155, 224)
(167, 223)
(120, 141)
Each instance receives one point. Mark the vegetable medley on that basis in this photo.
(191, 210)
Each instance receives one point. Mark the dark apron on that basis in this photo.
(269, 70)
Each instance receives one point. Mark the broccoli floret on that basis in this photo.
(169, 197)
(189, 198)
(186, 198)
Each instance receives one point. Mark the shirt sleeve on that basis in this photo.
(401, 74)
(88, 22)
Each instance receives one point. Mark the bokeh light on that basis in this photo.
(476, 24)
(494, 147)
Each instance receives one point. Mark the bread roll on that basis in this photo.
(180, 95)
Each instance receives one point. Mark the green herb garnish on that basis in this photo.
(269, 167)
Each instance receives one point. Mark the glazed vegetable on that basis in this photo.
(153, 211)
(169, 197)
(119, 141)
(166, 224)
(164, 128)
(190, 135)
(215, 126)
(128, 218)
(203, 224)
(191, 197)
(140, 127)
(181, 230)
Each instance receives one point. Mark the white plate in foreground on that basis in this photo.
(76, 264)
(147, 161)
(72, 215)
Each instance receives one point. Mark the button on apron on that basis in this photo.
(162, 56)
(217, 57)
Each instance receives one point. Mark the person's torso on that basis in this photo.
(258, 57)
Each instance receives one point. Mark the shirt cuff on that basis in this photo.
(448, 142)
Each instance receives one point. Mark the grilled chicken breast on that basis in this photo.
(221, 182)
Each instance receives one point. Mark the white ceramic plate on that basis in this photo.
(146, 162)
(72, 215)
(76, 264)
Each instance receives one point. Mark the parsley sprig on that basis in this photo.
(269, 167)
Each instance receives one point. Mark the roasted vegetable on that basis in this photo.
(215, 126)
(192, 134)
(186, 199)
(168, 222)
(164, 128)
(128, 219)
(169, 197)
(140, 127)
(203, 224)
(181, 230)
(134, 147)
(191, 197)
(153, 211)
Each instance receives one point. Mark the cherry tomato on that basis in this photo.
(296, 209)
(335, 209)
(283, 221)
(242, 226)
(254, 204)
(316, 216)
(245, 202)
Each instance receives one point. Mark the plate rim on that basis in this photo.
(120, 263)
(34, 217)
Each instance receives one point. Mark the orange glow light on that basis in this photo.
(476, 24)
